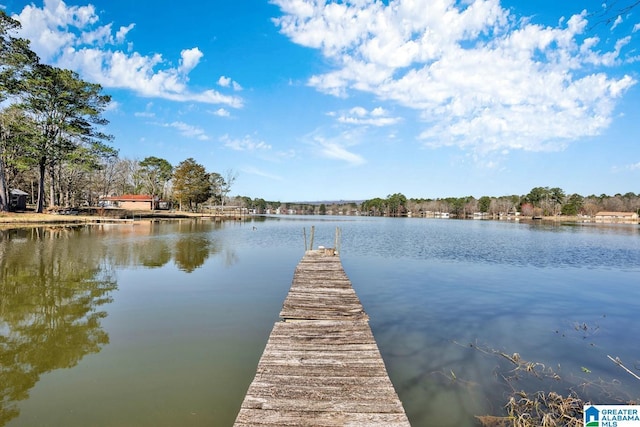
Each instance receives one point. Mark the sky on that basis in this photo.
(309, 100)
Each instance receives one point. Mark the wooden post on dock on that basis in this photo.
(313, 230)
(304, 232)
(321, 365)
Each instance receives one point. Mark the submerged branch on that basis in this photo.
(618, 362)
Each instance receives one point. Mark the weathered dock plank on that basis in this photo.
(321, 365)
(259, 417)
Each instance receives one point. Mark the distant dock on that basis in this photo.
(321, 365)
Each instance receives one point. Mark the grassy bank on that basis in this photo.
(43, 218)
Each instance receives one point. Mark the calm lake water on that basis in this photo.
(163, 324)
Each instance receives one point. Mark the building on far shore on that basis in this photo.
(605, 216)
(132, 202)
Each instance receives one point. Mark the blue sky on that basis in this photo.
(323, 100)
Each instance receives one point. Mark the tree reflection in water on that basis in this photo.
(54, 282)
(52, 286)
(193, 247)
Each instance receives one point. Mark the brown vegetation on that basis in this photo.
(542, 408)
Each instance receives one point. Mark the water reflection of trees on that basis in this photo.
(194, 245)
(154, 244)
(53, 284)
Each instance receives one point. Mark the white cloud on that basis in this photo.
(631, 167)
(227, 82)
(100, 36)
(479, 76)
(636, 27)
(121, 35)
(251, 170)
(378, 112)
(224, 81)
(360, 116)
(113, 106)
(617, 22)
(221, 112)
(70, 37)
(337, 147)
(190, 58)
(188, 130)
(336, 151)
(147, 113)
(287, 155)
(247, 143)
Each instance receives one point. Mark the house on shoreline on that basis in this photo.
(133, 202)
(605, 216)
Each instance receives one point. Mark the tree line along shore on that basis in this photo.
(540, 203)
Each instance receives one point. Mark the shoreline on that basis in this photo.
(17, 219)
(20, 219)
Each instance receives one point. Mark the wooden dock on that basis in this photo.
(321, 365)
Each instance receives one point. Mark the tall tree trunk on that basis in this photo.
(4, 191)
(41, 170)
